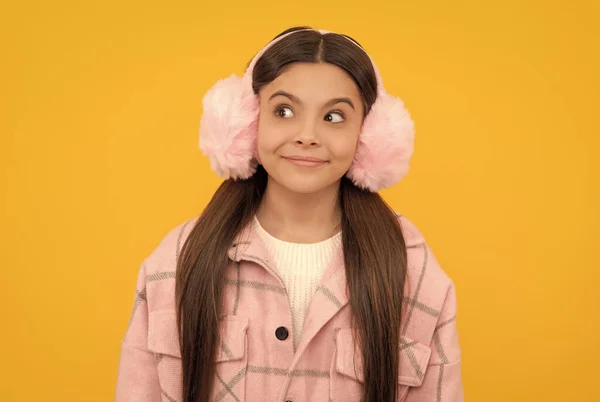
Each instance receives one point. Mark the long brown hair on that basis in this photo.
(373, 244)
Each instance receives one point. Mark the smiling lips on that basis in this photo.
(305, 161)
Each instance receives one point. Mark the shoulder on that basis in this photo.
(421, 259)
(164, 257)
(428, 286)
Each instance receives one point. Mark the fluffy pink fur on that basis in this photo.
(229, 127)
(229, 130)
(385, 145)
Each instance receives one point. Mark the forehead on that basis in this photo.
(314, 82)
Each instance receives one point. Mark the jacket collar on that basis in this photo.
(331, 295)
(249, 243)
(249, 246)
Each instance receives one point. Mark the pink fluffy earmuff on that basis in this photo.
(229, 131)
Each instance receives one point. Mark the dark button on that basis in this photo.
(282, 333)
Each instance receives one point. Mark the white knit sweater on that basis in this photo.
(301, 267)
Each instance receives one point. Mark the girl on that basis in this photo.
(297, 282)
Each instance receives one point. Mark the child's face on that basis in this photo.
(312, 110)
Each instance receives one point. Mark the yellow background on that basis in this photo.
(100, 107)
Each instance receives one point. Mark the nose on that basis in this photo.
(307, 136)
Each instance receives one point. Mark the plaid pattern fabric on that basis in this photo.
(254, 365)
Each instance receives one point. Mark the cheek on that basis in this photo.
(266, 131)
(268, 141)
(343, 146)
(271, 136)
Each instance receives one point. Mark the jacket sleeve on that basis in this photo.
(137, 378)
(442, 381)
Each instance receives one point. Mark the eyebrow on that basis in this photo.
(295, 99)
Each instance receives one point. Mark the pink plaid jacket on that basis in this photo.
(253, 364)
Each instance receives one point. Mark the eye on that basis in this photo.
(334, 117)
(284, 112)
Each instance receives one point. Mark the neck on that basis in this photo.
(300, 218)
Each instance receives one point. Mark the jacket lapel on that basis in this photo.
(330, 297)
(249, 246)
